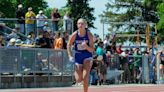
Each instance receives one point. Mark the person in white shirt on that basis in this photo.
(67, 23)
(41, 19)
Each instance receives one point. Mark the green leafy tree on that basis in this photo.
(7, 9)
(131, 11)
(160, 25)
(80, 9)
(119, 11)
(35, 4)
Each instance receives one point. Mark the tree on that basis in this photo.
(35, 4)
(160, 25)
(9, 7)
(80, 9)
(120, 11)
(131, 11)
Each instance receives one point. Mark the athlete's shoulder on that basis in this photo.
(73, 35)
(89, 34)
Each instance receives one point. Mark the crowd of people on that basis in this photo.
(39, 33)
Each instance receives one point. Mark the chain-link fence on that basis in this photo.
(34, 67)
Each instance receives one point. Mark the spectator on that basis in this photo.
(161, 55)
(47, 39)
(21, 16)
(40, 41)
(107, 41)
(65, 37)
(12, 43)
(67, 23)
(31, 38)
(119, 49)
(41, 19)
(39, 63)
(55, 19)
(1, 41)
(94, 73)
(30, 20)
(51, 35)
(45, 27)
(13, 34)
(126, 78)
(103, 66)
(130, 62)
(58, 42)
(137, 64)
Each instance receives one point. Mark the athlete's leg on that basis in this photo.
(161, 71)
(78, 72)
(86, 70)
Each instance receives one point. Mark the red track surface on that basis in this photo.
(108, 88)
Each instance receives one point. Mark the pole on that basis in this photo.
(103, 30)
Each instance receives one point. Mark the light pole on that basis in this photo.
(103, 25)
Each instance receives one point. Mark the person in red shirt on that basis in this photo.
(55, 19)
(119, 50)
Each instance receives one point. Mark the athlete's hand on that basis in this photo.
(71, 59)
(84, 45)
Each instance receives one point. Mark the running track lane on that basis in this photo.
(108, 88)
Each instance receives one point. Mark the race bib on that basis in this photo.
(80, 47)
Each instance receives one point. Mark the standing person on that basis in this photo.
(41, 19)
(21, 16)
(55, 19)
(102, 65)
(30, 16)
(84, 47)
(67, 23)
(162, 63)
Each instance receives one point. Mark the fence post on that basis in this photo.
(145, 68)
(157, 69)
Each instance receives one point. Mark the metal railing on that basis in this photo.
(120, 68)
(22, 62)
(63, 25)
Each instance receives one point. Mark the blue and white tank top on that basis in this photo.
(79, 40)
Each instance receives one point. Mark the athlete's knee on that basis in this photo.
(78, 80)
(85, 79)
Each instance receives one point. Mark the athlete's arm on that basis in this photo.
(90, 48)
(69, 44)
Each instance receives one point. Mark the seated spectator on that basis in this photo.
(1, 41)
(47, 39)
(31, 38)
(12, 43)
(40, 41)
(65, 38)
(58, 42)
(13, 34)
(46, 27)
